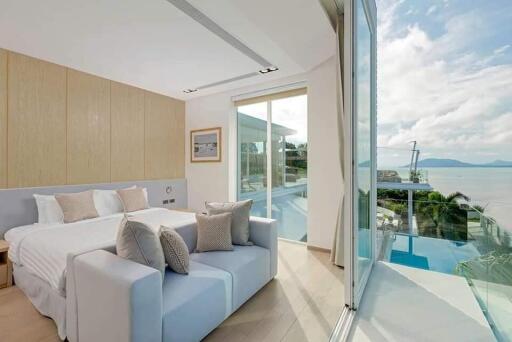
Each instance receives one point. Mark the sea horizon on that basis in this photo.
(488, 187)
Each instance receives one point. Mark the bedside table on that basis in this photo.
(5, 265)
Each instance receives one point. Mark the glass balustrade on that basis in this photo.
(452, 237)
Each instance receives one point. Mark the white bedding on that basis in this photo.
(43, 249)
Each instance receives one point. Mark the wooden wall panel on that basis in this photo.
(127, 133)
(159, 123)
(36, 122)
(178, 140)
(3, 118)
(88, 141)
(62, 126)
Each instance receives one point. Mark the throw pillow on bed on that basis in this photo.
(133, 199)
(241, 212)
(214, 233)
(175, 250)
(138, 242)
(77, 206)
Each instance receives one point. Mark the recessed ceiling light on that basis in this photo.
(269, 69)
(188, 91)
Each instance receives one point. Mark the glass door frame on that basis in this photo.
(354, 288)
(298, 86)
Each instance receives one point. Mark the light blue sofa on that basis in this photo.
(113, 299)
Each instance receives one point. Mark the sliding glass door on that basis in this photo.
(272, 160)
(360, 60)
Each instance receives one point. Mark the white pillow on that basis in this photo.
(48, 210)
(107, 202)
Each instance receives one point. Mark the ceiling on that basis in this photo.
(154, 45)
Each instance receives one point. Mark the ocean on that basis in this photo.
(488, 187)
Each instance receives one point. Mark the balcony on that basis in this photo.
(446, 236)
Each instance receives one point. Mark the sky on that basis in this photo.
(290, 112)
(444, 79)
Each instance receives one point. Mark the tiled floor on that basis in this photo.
(301, 304)
(407, 304)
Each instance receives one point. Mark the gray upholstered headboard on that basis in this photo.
(18, 207)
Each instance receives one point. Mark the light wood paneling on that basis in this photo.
(88, 141)
(159, 123)
(3, 118)
(36, 122)
(178, 140)
(127, 120)
(62, 126)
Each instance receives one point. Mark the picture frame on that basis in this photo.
(206, 145)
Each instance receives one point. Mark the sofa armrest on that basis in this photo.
(263, 233)
(116, 299)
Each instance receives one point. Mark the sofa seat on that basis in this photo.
(249, 267)
(195, 304)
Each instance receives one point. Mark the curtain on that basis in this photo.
(337, 251)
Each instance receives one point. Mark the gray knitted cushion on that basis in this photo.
(175, 250)
(138, 242)
(214, 233)
(241, 212)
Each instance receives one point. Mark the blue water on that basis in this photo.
(430, 254)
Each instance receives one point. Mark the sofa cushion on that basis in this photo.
(195, 304)
(240, 212)
(214, 232)
(175, 250)
(138, 242)
(248, 265)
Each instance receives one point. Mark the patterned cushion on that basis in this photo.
(138, 242)
(175, 250)
(214, 233)
(239, 221)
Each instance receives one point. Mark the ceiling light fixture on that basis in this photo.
(188, 91)
(269, 69)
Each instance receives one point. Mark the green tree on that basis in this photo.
(450, 221)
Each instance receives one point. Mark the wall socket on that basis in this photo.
(168, 201)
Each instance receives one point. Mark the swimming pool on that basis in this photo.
(430, 253)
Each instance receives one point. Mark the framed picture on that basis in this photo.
(206, 145)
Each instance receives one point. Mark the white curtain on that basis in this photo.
(337, 251)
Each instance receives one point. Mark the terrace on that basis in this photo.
(289, 183)
(451, 238)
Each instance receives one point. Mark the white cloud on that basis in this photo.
(431, 9)
(441, 91)
(501, 50)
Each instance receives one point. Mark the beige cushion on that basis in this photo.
(133, 199)
(175, 250)
(77, 206)
(139, 243)
(241, 212)
(214, 233)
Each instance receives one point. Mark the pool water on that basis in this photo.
(430, 253)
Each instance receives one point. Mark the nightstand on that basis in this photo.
(5, 265)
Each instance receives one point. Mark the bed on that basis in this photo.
(39, 252)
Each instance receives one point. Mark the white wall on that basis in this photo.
(324, 172)
(217, 181)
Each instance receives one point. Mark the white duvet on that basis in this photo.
(43, 249)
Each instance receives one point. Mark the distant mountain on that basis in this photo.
(436, 162)
(499, 163)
